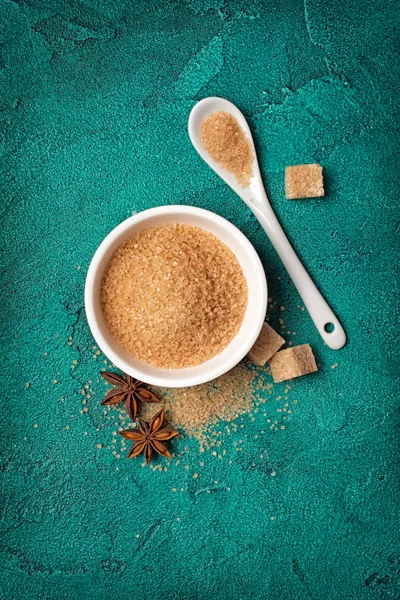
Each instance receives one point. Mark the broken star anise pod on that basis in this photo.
(128, 390)
(149, 437)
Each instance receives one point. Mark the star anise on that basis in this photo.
(148, 437)
(128, 390)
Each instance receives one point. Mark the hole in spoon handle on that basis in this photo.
(331, 332)
(324, 318)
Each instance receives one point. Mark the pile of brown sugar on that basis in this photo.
(174, 295)
(200, 411)
(227, 144)
(197, 408)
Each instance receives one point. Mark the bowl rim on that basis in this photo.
(116, 359)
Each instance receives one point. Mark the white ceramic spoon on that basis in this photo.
(256, 199)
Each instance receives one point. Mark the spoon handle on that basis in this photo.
(319, 310)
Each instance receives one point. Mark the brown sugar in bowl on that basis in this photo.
(242, 339)
(174, 295)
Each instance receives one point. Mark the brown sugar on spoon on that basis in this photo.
(227, 144)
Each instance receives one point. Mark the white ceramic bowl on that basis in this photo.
(252, 322)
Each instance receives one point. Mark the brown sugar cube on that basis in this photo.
(304, 181)
(267, 343)
(293, 362)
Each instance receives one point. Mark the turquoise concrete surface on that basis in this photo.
(95, 98)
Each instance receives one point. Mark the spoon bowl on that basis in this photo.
(199, 113)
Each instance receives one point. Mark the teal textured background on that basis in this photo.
(95, 98)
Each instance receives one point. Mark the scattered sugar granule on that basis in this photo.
(267, 343)
(227, 144)
(304, 181)
(293, 362)
(174, 296)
